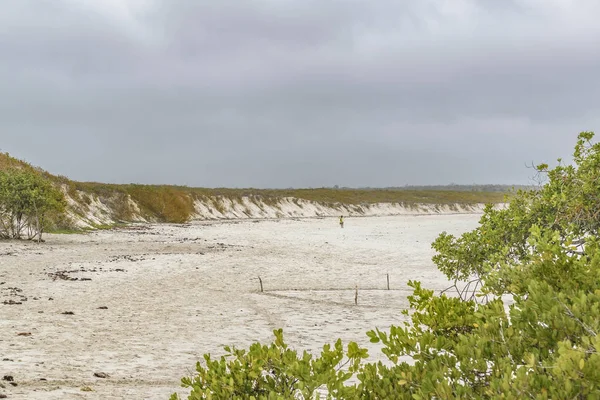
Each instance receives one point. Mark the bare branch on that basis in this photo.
(568, 311)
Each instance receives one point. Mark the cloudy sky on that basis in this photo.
(297, 93)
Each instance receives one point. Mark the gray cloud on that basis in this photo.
(296, 93)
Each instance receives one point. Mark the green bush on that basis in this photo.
(542, 253)
(274, 372)
(28, 202)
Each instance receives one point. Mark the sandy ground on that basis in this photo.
(160, 296)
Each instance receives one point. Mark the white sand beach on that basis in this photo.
(150, 300)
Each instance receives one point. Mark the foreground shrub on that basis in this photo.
(274, 372)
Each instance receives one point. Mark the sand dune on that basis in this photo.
(90, 210)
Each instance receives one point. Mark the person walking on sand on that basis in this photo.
(341, 221)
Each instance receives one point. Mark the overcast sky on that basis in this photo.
(297, 93)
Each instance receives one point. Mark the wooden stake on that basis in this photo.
(261, 285)
(356, 296)
(388, 280)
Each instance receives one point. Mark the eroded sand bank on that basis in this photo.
(150, 300)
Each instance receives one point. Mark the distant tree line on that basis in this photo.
(450, 187)
(469, 188)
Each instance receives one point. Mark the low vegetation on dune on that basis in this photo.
(521, 320)
(320, 195)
